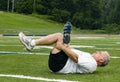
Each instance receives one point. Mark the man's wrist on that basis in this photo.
(64, 47)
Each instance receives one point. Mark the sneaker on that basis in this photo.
(25, 41)
(67, 31)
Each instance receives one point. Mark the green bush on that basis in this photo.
(40, 9)
(24, 6)
(112, 28)
(60, 15)
(78, 19)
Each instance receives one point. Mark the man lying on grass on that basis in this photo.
(63, 58)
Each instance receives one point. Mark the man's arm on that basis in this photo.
(68, 51)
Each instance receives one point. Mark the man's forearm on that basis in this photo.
(70, 53)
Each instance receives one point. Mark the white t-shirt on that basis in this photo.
(86, 64)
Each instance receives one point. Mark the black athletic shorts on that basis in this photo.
(57, 61)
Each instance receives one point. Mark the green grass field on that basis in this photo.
(13, 23)
(15, 60)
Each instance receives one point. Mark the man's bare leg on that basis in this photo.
(50, 39)
(47, 40)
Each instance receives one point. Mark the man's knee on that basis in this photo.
(59, 36)
(59, 40)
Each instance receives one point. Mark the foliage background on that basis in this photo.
(84, 14)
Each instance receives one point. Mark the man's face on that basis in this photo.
(99, 57)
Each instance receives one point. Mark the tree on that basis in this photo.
(41, 7)
(3, 5)
(78, 19)
(60, 15)
(115, 14)
(24, 6)
(13, 3)
(89, 14)
(107, 10)
(8, 5)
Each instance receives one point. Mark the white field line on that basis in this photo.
(82, 37)
(117, 42)
(81, 46)
(50, 47)
(18, 37)
(42, 54)
(114, 57)
(77, 46)
(35, 78)
(73, 46)
(109, 48)
(7, 52)
(38, 47)
(90, 37)
(10, 45)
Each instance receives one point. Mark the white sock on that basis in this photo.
(33, 43)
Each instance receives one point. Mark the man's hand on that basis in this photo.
(60, 45)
